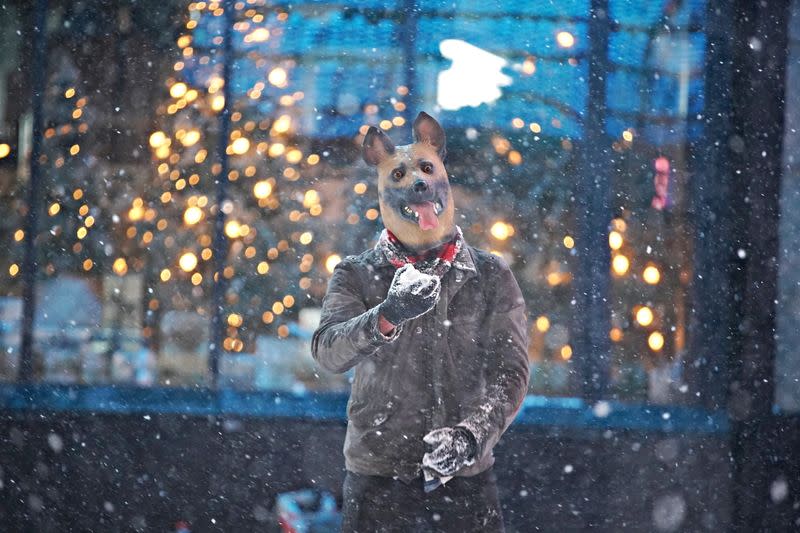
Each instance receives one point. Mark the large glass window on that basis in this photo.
(128, 237)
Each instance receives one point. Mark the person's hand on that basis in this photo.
(453, 448)
(411, 294)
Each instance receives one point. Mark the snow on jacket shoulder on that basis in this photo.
(464, 363)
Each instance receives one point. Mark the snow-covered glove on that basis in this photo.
(453, 448)
(412, 294)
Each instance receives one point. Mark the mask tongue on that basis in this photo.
(427, 216)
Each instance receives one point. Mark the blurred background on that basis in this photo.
(179, 179)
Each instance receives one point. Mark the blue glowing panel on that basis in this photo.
(477, 63)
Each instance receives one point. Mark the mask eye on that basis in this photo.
(427, 168)
(398, 174)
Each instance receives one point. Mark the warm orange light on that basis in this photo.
(158, 139)
(655, 341)
(651, 275)
(259, 35)
(620, 264)
(615, 240)
(566, 352)
(644, 316)
(136, 213)
(278, 77)
(332, 261)
(178, 90)
(311, 198)
(192, 215)
(565, 39)
(294, 156)
(120, 266)
(501, 231)
(240, 146)
(188, 262)
(276, 149)
(262, 189)
(282, 124)
(232, 229)
(190, 138)
(542, 323)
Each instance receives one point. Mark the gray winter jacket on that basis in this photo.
(463, 363)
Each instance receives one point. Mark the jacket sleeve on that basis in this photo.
(507, 369)
(348, 331)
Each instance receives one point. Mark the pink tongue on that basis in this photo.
(427, 216)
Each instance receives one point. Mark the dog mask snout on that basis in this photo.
(420, 186)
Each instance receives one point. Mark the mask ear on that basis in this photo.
(377, 146)
(427, 130)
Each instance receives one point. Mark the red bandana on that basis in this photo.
(436, 262)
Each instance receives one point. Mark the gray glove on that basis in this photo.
(454, 448)
(411, 294)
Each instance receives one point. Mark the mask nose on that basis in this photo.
(420, 186)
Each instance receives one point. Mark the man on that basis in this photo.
(437, 333)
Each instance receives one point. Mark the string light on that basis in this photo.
(655, 341)
(157, 139)
(192, 215)
(566, 352)
(262, 189)
(565, 39)
(501, 230)
(644, 316)
(240, 146)
(278, 77)
(620, 264)
(651, 275)
(331, 262)
(120, 266)
(615, 240)
(188, 262)
(282, 124)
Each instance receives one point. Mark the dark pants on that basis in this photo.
(381, 504)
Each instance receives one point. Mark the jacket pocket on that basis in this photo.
(370, 413)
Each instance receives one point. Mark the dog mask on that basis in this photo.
(413, 189)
